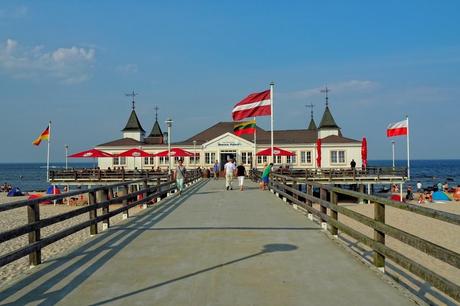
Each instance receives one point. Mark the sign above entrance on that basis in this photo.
(229, 143)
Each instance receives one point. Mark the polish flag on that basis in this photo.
(397, 129)
(256, 104)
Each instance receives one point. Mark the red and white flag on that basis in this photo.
(256, 104)
(397, 129)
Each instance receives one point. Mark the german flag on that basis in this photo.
(247, 127)
(45, 135)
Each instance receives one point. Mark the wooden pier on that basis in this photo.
(210, 246)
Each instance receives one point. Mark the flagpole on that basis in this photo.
(408, 146)
(272, 84)
(254, 160)
(48, 153)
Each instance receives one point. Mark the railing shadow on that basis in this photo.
(110, 243)
(411, 284)
(268, 248)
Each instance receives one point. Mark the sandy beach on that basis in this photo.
(18, 217)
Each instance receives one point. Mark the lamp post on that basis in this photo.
(393, 151)
(194, 152)
(169, 123)
(66, 147)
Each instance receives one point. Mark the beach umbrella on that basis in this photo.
(175, 152)
(364, 152)
(276, 152)
(93, 153)
(135, 152)
(318, 153)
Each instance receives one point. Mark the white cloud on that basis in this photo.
(68, 65)
(128, 68)
(350, 86)
(15, 12)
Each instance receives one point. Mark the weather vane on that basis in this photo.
(326, 90)
(311, 109)
(156, 108)
(132, 95)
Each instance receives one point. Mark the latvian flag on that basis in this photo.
(397, 129)
(247, 127)
(256, 104)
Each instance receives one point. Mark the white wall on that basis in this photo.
(322, 133)
(139, 136)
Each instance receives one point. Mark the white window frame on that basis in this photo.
(306, 157)
(197, 157)
(292, 159)
(119, 161)
(246, 157)
(209, 158)
(337, 154)
(262, 159)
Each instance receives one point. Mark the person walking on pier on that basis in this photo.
(229, 168)
(266, 176)
(240, 173)
(179, 176)
(216, 170)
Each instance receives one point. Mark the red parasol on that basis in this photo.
(276, 152)
(135, 153)
(364, 152)
(175, 152)
(93, 153)
(318, 153)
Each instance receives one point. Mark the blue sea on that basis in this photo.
(32, 176)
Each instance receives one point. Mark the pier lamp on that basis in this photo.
(194, 152)
(169, 123)
(66, 147)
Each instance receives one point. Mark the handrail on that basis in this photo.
(304, 200)
(35, 224)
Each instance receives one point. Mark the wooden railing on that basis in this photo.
(327, 201)
(339, 173)
(91, 175)
(130, 198)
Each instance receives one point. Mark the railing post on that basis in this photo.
(309, 192)
(323, 196)
(332, 229)
(145, 186)
(379, 215)
(125, 202)
(105, 210)
(110, 194)
(92, 212)
(33, 215)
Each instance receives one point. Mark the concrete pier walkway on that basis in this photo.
(208, 247)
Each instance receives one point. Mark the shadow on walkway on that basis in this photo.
(108, 243)
(207, 228)
(268, 248)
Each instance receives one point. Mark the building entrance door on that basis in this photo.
(225, 156)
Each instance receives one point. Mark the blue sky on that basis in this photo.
(71, 62)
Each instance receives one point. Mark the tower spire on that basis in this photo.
(156, 108)
(132, 95)
(326, 90)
